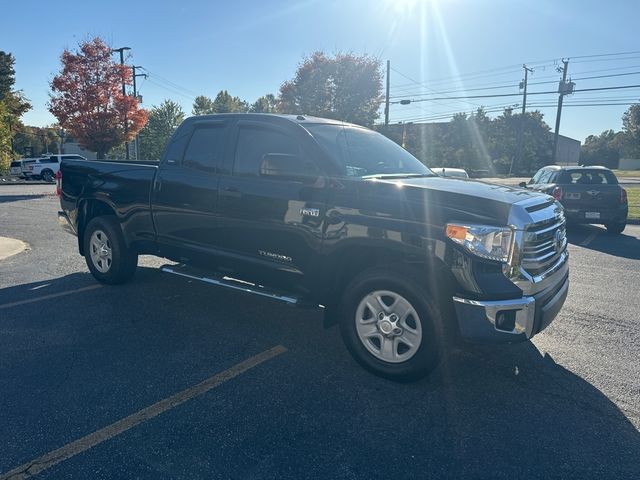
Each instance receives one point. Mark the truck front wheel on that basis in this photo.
(391, 325)
(107, 255)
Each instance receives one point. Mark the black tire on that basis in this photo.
(434, 338)
(616, 228)
(47, 176)
(120, 265)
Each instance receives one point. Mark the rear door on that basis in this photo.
(185, 191)
(271, 228)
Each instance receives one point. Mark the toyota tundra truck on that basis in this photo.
(318, 213)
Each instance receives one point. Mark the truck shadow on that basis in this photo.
(486, 412)
(596, 238)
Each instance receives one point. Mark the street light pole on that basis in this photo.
(124, 94)
(135, 95)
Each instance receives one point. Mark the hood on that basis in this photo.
(447, 199)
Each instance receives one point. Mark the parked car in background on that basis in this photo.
(46, 167)
(15, 169)
(589, 194)
(451, 172)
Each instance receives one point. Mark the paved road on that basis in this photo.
(566, 405)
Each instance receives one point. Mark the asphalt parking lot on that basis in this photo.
(163, 378)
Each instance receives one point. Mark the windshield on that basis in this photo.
(364, 153)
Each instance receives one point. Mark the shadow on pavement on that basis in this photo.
(19, 198)
(623, 245)
(487, 412)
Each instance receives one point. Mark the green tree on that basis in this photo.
(225, 103)
(265, 104)
(603, 149)
(345, 87)
(631, 130)
(202, 105)
(163, 120)
(12, 105)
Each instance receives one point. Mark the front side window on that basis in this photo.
(255, 144)
(204, 149)
(364, 153)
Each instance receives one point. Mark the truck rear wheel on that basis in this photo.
(391, 325)
(108, 257)
(616, 227)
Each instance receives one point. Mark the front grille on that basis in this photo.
(544, 242)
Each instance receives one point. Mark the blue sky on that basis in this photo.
(437, 48)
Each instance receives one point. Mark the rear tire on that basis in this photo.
(616, 228)
(47, 176)
(392, 325)
(105, 250)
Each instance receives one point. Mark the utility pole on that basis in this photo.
(124, 93)
(523, 85)
(386, 101)
(135, 95)
(564, 88)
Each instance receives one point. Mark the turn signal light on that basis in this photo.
(456, 232)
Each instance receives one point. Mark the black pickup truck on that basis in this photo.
(319, 213)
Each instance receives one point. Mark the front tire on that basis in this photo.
(391, 325)
(106, 253)
(616, 228)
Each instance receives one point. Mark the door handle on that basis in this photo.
(157, 185)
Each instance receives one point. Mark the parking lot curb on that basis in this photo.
(10, 247)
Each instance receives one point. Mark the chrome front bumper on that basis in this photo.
(508, 321)
(65, 223)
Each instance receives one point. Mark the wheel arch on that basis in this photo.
(89, 209)
(425, 268)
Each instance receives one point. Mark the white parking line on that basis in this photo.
(48, 297)
(85, 443)
(589, 239)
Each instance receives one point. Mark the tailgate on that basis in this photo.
(590, 197)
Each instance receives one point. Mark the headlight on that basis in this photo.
(493, 243)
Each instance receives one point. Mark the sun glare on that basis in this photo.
(406, 6)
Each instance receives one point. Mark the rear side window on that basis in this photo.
(49, 160)
(204, 149)
(588, 177)
(255, 142)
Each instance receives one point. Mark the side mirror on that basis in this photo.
(522, 184)
(283, 166)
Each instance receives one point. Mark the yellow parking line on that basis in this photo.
(48, 297)
(85, 443)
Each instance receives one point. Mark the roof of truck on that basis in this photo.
(301, 119)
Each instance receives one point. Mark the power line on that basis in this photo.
(518, 94)
(171, 83)
(512, 85)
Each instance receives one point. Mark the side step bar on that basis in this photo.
(182, 271)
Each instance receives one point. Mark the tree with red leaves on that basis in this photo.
(88, 102)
